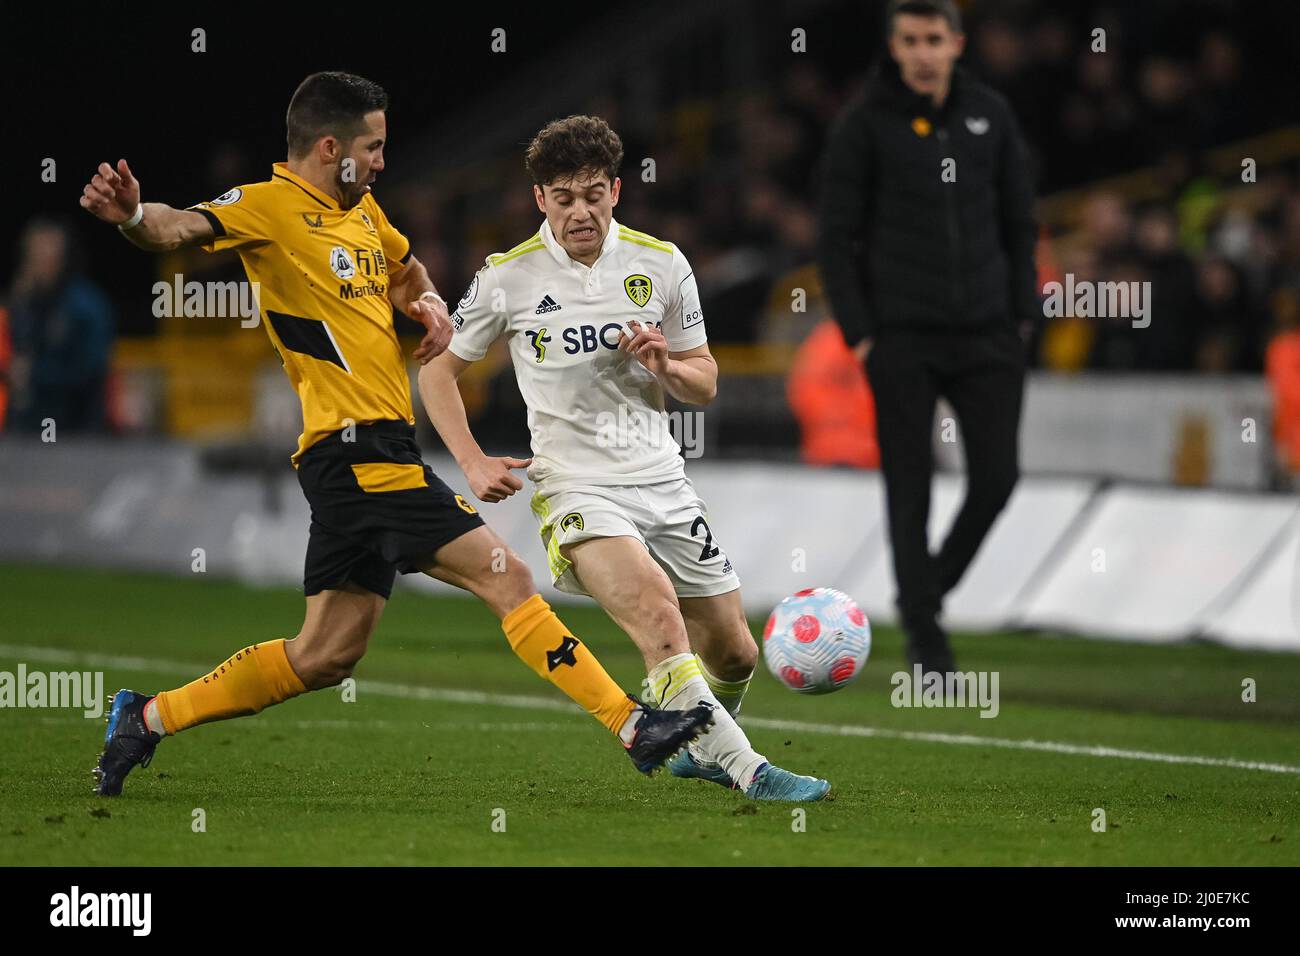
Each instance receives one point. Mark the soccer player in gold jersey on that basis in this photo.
(331, 268)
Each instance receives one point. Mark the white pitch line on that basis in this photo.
(529, 702)
(1048, 746)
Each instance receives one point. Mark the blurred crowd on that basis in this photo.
(736, 183)
(56, 339)
(735, 180)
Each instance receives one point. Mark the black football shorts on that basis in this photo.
(376, 509)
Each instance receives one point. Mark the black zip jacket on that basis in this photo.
(899, 247)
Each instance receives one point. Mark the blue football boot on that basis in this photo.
(127, 743)
(684, 765)
(773, 783)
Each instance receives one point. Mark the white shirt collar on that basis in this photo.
(561, 255)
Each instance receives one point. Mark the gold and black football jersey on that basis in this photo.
(322, 288)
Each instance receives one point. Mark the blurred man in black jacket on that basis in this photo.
(926, 248)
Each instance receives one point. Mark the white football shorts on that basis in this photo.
(668, 518)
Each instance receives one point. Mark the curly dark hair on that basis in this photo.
(576, 144)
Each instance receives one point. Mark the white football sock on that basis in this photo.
(153, 719)
(627, 733)
(677, 684)
(729, 693)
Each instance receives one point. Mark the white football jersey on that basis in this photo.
(596, 414)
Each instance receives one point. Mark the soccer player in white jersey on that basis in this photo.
(602, 320)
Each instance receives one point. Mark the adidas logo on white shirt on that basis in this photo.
(546, 305)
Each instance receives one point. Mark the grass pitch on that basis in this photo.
(450, 733)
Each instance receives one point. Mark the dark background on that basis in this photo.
(96, 82)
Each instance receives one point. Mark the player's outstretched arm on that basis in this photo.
(113, 195)
(489, 478)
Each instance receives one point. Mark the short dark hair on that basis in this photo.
(924, 8)
(576, 144)
(330, 104)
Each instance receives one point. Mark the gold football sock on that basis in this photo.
(255, 678)
(543, 643)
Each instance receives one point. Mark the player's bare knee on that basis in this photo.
(660, 617)
(507, 588)
(519, 579)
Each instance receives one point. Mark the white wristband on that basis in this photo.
(434, 295)
(134, 220)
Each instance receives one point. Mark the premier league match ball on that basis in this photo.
(816, 641)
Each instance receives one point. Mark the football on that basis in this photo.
(816, 641)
